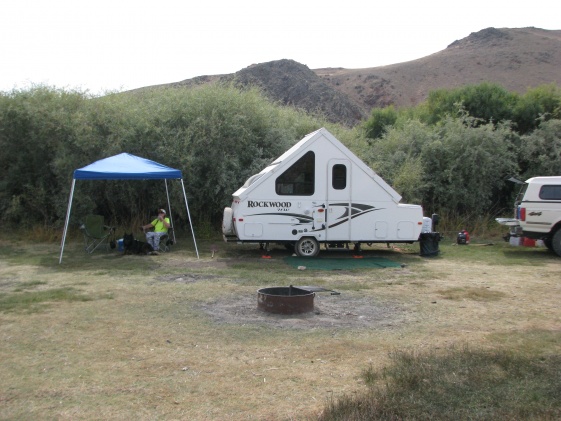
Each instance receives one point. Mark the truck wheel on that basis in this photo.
(307, 247)
(547, 243)
(556, 242)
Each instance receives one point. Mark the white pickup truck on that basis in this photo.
(537, 212)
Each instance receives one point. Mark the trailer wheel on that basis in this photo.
(307, 247)
(556, 242)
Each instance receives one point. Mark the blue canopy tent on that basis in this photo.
(126, 167)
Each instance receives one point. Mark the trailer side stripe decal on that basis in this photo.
(301, 218)
(346, 219)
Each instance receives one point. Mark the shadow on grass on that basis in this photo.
(457, 384)
(498, 253)
(530, 254)
(34, 301)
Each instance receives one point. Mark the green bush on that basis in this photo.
(452, 154)
(459, 166)
(541, 149)
(216, 135)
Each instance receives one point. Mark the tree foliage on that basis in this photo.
(541, 150)
(452, 153)
(468, 166)
(34, 125)
(379, 120)
(486, 102)
(459, 166)
(217, 135)
(536, 106)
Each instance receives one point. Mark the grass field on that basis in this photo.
(107, 336)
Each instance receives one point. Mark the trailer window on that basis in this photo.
(299, 179)
(548, 192)
(339, 176)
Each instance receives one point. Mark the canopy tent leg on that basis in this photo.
(66, 220)
(169, 210)
(189, 216)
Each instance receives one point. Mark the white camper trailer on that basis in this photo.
(319, 192)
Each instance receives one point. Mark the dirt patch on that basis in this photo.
(217, 263)
(346, 311)
(349, 310)
(186, 278)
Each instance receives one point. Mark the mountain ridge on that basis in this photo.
(515, 58)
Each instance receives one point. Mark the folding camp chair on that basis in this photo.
(166, 240)
(96, 233)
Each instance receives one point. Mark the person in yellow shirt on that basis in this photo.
(160, 225)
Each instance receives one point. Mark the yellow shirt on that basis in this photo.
(159, 225)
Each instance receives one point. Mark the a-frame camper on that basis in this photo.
(319, 192)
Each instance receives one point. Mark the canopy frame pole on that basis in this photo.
(189, 216)
(169, 210)
(69, 208)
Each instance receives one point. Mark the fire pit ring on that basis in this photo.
(285, 300)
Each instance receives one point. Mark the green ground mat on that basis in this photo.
(334, 263)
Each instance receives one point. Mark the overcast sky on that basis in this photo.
(115, 45)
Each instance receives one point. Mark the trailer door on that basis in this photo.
(338, 206)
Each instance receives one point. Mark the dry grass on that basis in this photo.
(457, 384)
(525, 57)
(144, 344)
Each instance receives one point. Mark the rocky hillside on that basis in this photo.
(294, 84)
(514, 58)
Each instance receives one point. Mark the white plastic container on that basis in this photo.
(516, 241)
(427, 224)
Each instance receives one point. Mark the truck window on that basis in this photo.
(298, 180)
(339, 176)
(550, 192)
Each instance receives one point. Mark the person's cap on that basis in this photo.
(161, 211)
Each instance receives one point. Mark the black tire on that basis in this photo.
(307, 247)
(556, 242)
(547, 243)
